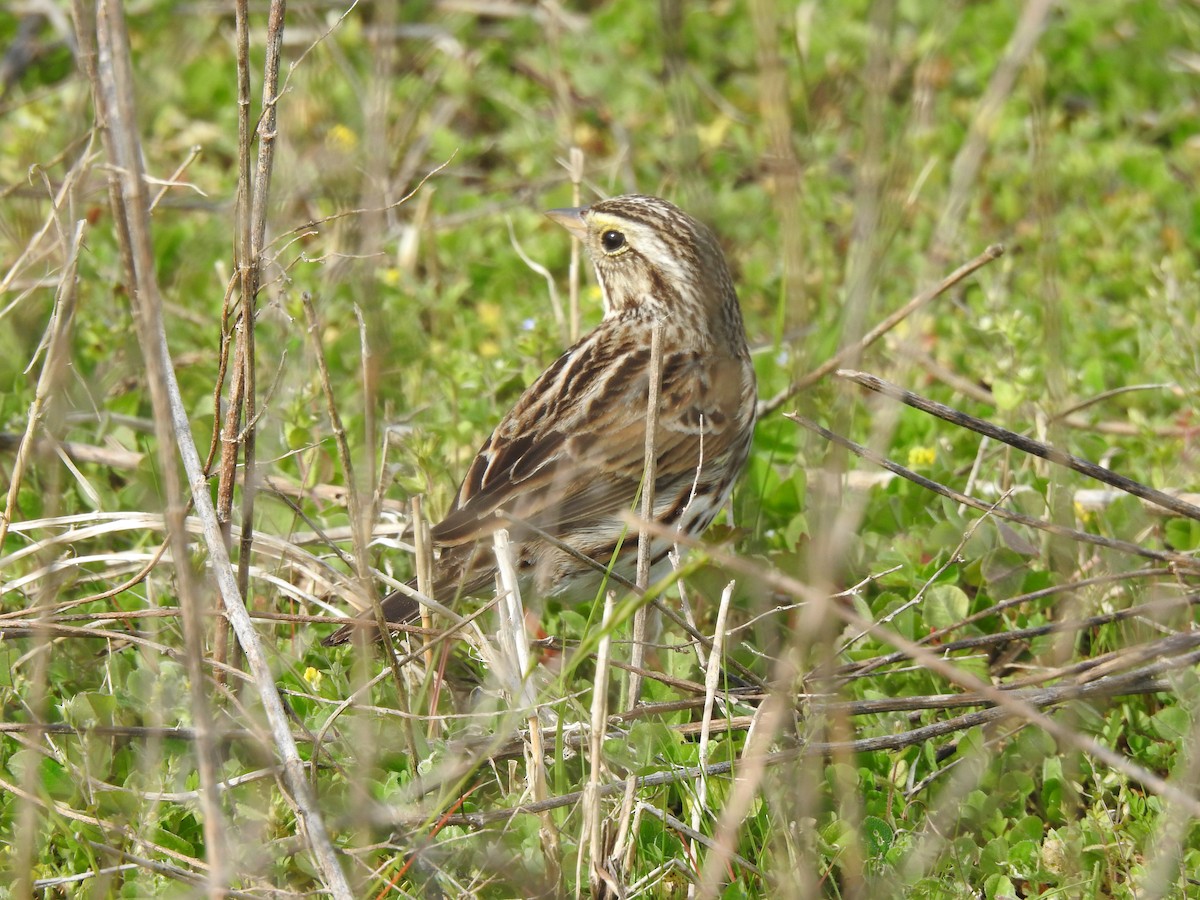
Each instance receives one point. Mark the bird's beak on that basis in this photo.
(571, 219)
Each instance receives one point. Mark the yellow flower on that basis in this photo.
(341, 137)
(313, 677)
(713, 134)
(490, 314)
(921, 457)
(489, 349)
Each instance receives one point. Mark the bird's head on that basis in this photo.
(652, 260)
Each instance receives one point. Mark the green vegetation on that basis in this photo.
(825, 144)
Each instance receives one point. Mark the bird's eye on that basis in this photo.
(612, 241)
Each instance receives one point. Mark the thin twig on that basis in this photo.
(173, 181)
(109, 457)
(1067, 626)
(1133, 683)
(862, 667)
(694, 834)
(995, 251)
(423, 558)
(1024, 444)
(965, 168)
(1165, 556)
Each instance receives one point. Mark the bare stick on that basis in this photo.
(113, 92)
(1166, 556)
(1134, 683)
(1069, 626)
(251, 274)
(1024, 444)
(995, 251)
(863, 667)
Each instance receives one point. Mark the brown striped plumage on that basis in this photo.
(568, 457)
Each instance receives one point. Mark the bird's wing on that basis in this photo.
(571, 450)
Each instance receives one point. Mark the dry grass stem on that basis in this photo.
(646, 542)
(552, 289)
(514, 643)
(854, 350)
(712, 678)
(360, 526)
(53, 368)
(423, 555)
(964, 171)
(592, 810)
(112, 85)
(575, 172)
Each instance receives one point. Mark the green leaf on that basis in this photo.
(171, 840)
(1024, 859)
(877, 836)
(1172, 724)
(90, 708)
(1183, 534)
(1053, 789)
(993, 859)
(1007, 395)
(945, 605)
(998, 887)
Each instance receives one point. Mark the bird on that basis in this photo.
(567, 460)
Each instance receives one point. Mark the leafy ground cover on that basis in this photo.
(850, 156)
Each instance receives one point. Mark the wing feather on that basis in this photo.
(571, 450)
